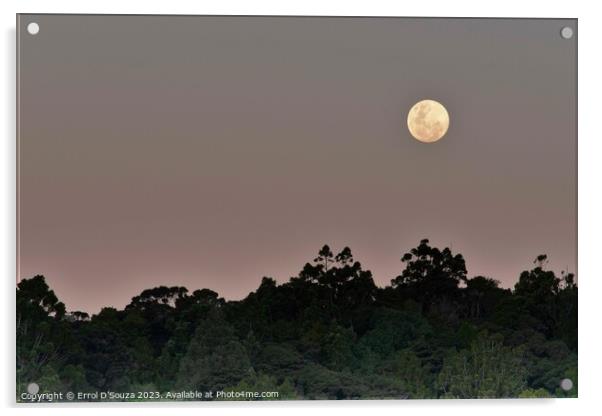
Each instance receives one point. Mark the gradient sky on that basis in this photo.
(212, 151)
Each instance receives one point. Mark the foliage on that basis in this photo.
(487, 369)
(327, 333)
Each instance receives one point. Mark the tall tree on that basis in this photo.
(39, 333)
(432, 276)
(215, 358)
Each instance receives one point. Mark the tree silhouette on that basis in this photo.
(35, 297)
(432, 276)
(325, 256)
(327, 333)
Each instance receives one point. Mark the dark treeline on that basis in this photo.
(327, 333)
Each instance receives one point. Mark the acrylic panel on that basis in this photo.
(292, 208)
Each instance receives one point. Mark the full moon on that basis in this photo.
(428, 121)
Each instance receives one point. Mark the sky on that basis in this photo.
(209, 152)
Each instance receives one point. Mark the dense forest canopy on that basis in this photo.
(328, 333)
